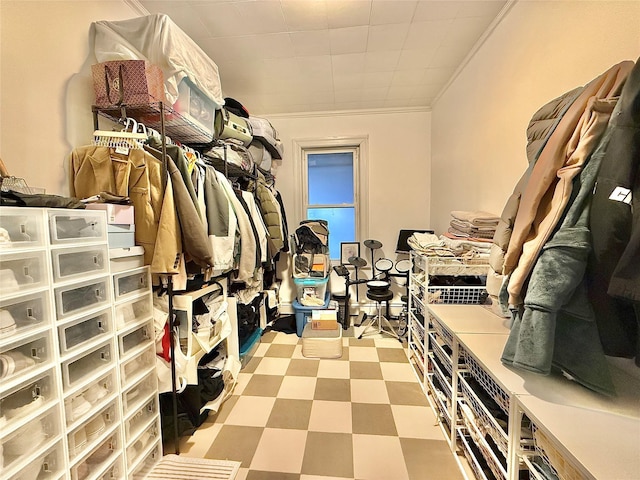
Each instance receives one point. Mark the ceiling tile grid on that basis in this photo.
(285, 56)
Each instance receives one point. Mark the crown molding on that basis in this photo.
(137, 7)
(483, 38)
(341, 113)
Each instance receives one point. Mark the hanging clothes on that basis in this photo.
(221, 221)
(261, 229)
(138, 175)
(547, 192)
(271, 215)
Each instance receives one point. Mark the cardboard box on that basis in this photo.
(116, 214)
(324, 324)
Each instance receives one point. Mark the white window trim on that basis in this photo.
(362, 177)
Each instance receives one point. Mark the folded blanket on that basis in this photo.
(477, 217)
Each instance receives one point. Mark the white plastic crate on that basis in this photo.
(25, 313)
(24, 400)
(134, 311)
(80, 368)
(21, 228)
(140, 420)
(75, 262)
(23, 272)
(89, 328)
(131, 283)
(20, 358)
(83, 296)
(90, 433)
(77, 226)
(79, 404)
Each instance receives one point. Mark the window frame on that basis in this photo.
(361, 177)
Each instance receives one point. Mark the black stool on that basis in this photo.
(383, 325)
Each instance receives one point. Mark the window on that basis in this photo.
(332, 189)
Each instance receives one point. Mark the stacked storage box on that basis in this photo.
(121, 229)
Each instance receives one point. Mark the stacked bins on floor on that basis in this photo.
(311, 267)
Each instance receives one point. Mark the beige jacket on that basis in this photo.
(550, 184)
(137, 175)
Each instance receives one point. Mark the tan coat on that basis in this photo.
(137, 175)
(550, 183)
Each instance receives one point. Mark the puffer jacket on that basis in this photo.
(550, 184)
(540, 128)
(270, 209)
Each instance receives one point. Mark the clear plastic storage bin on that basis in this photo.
(99, 458)
(134, 311)
(79, 404)
(140, 445)
(130, 283)
(87, 435)
(131, 370)
(47, 466)
(22, 443)
(20, 358)
(133, 398)
(80, 226)
(90, 328)
(22, 272)
(19, 315)
(70, 263)
(80, 297)
(24, 400)
(140, 420)
(21, 228)
(115, 471)
(75, 370)
(135, 339)
(145, 466)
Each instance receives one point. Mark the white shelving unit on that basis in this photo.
(500, 419)
(68, 353)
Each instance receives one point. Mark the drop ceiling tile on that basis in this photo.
(261, 17)
(407, 77)
(348, 40)
(377, 79)
(386, 12)
(319, 65)
(381, 61)
(305, 15)
(374, 94)
(436, 75)
(348, 81)
(348, 95)
(400, 92)
(348, 13)
(466, 31)
(449, 56)
(319, 96)
(223, 49)
(416, 58)
(349, 63)
(221, 19)
(426, 33)
(182, 14)
(279, 67)
(435, 10)
(376, 103)
(314, 42)
(480, 8)
(428, 90)
(399, 103)
(348, 105)
(387, 37)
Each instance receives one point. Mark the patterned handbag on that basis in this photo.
(130, 82)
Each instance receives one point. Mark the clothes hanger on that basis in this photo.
(122, 140)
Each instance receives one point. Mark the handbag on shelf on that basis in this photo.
(229, 125)
(129, 82)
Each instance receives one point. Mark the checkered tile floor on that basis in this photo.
(360, 417)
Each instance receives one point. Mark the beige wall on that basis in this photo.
(537, 52)
(398, 166)
(45, 88)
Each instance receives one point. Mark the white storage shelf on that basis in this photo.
(75, 334)
(131, 283)
(91, 432)
(504, 418)
(81, 297)
(99, 459)
(87, 365)
(134, 311)
(82, 403)
(21, 358)
(47, 465)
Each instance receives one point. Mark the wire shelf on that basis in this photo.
(445, 360)
(473, 295)
(487, 452)
(483, 378)
(442, 332)
(455, 266)
(472, 457)
(441, 381)
(176, 126)
(545, 447)
(484, 421)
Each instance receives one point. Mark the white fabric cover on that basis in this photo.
(268, 136)
(160, 41)
(260, 155)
